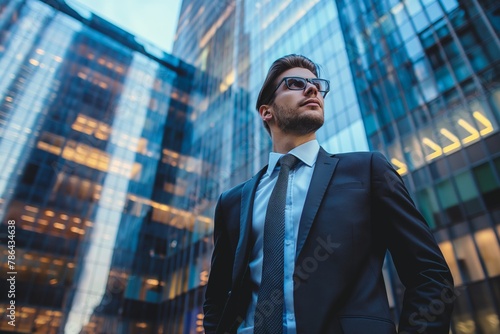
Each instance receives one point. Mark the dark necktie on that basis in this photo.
(269, 309)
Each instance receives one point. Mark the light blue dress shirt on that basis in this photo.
(298, 185)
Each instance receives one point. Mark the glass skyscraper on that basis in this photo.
(426, 74)
(92, 126)
(415, 79)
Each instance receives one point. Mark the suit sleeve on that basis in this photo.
(428, 297)
(219, 281)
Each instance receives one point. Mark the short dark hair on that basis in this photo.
(279, 66)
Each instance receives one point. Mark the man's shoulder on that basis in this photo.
(359, 155)
(374, 159)
(236, 190)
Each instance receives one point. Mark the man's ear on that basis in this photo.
(265, 113)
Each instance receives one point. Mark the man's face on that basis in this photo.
(298, 111)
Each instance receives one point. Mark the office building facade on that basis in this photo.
(427, 74)
(416, 79)
(91, 139)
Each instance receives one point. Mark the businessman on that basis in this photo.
(299, 247)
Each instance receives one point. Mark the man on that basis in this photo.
(299, 248)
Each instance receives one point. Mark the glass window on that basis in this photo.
(489, 249)
(483, 118)
(444, 79)
(461, 70)
(488, 186)
(399, 14)
(467, 39)
(451, 49)
(427, 204)
(388, 26)
(466, 186)
(388, 134)
(457, 160)
(404, 126)
(495, 101)
(413, 7)
(449, 256)
(429, 90)
(447, 194)
(431, 144)
(370, 124)
(468, 193)
(397, 107)
(413, 152)
(448, 198)
(497, 165)
(478, 58)
(406, 31)
(421, 70)
(449, 5)
(420, 20)
(467, 258)
(414, 48)
(442, 29)
(427, 38)
(434, 11)
(485, 178)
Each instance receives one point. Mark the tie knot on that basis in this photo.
(289, 160)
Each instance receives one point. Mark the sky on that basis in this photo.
(152, 20)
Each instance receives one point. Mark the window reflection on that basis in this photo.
(489, 249)
(447, 250)
(428, 206)
(460, 130)
(467, 258)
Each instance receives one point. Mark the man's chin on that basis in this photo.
(303, 126)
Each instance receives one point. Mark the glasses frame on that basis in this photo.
(285, 79)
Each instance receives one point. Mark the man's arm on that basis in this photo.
(428, 298)
(219, 281)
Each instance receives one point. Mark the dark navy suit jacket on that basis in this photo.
(356, 209)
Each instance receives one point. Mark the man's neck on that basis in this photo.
(286, 143)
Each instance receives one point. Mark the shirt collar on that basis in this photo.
(307, 153)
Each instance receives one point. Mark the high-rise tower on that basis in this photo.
(91, 133)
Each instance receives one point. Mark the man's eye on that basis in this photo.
(295, 83)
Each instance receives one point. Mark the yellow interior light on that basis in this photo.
(474, 134)
(438, 151)
(484, 121)
(402, 167)
(455, 142)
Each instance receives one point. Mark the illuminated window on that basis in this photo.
(449, 256)
(468, 259)
(489, 250)
(428, 206)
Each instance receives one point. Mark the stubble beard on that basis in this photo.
(291, 121)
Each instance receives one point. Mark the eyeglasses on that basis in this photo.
(298, 83)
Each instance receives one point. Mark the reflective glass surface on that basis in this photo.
(428, 92)
(92, 127)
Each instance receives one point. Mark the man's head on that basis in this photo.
(291, 97)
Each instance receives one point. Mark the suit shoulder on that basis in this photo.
(363, 156)
(234, 190)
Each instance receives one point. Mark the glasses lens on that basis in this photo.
(296, 83)
(321, 84)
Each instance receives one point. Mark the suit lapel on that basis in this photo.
(325, 166)
(242, 250)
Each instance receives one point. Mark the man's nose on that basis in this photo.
(310, 89)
